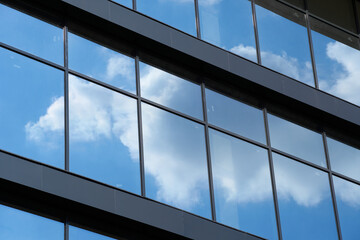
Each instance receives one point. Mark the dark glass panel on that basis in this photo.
(242, 185)
(31, 109)
(103, 135)
(175, 161)
(296, 3)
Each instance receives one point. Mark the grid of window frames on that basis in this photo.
(314, 42)
(125, 123)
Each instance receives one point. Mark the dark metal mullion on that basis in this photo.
(308, 27)
(140, 129)
(339, 175)
(208, 153)
(66, 229)
(134, 5)
(257, 43)
(197, 19)
(66, 98)
(332, 189)
(31, 56)
(272, 175)
(356, 17)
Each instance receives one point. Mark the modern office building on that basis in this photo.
(179, 119)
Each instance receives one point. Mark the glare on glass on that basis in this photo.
(178, 14)
(228, 24)
(336, 56)
(103, 135)
(82, 234)
(101, 63)
(31, 109)
(344, 159)
(127, 3)
(175, 161)
(305, 205)
(32, 35)
(18, 225)
(235, 116)
(348, 205)
(284, 41)
(170, 90)
(242, 185)
(296, 140)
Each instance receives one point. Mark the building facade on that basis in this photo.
(179, 119)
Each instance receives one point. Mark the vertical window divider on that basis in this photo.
(257, 43)
(272, 174)
(134, 5)
(207, 143)
(66, 229)
(313, 63)
(332, 189)
(356, 17)
(140, 130)
(66, 97)
(197, 19)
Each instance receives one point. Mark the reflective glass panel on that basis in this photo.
(304, 198)
(31, 109)
(127, 3)
(20, 225)
(101, 63)
(242, 185)
(344, 159)
(235, 116)
(296, 140)
(336, 56)
(175, 161)
(82, 234)
(296, 3)
(170, 91)
(228, 24)
(32, 35)
(284, 41)
(103, 135)
(348, 204)
(179, 14)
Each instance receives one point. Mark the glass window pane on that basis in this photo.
(242, 185)
(235, 116)
(31, 109)
(348, 203)
(304, 198)
(16, 225)
(82, 234)
(228, 24)
(127, 3)
(170, 91)
(344, 159)
(336, 57)
(296, 140)
(101, 63)
(32, 35)
(179, 14)
(284, 41)
(103, 135)
(175, 161)
(296, 3)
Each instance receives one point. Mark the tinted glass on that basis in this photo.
(242, 185)
(31, 35)
(101, 63)
(179, 14)
(175, 161)
(31, 109)
(82, 234)
(348, 203)
(170, 91)
(337, 57)
(127, 3)
(19, 225)
(304, 198)
(235, 116)
(284, 41)
(344, 159)
(103, 135)
(228, 24)
(296, 140)
(296, 3)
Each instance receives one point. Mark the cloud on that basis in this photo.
(347, 192)
(119, 65)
